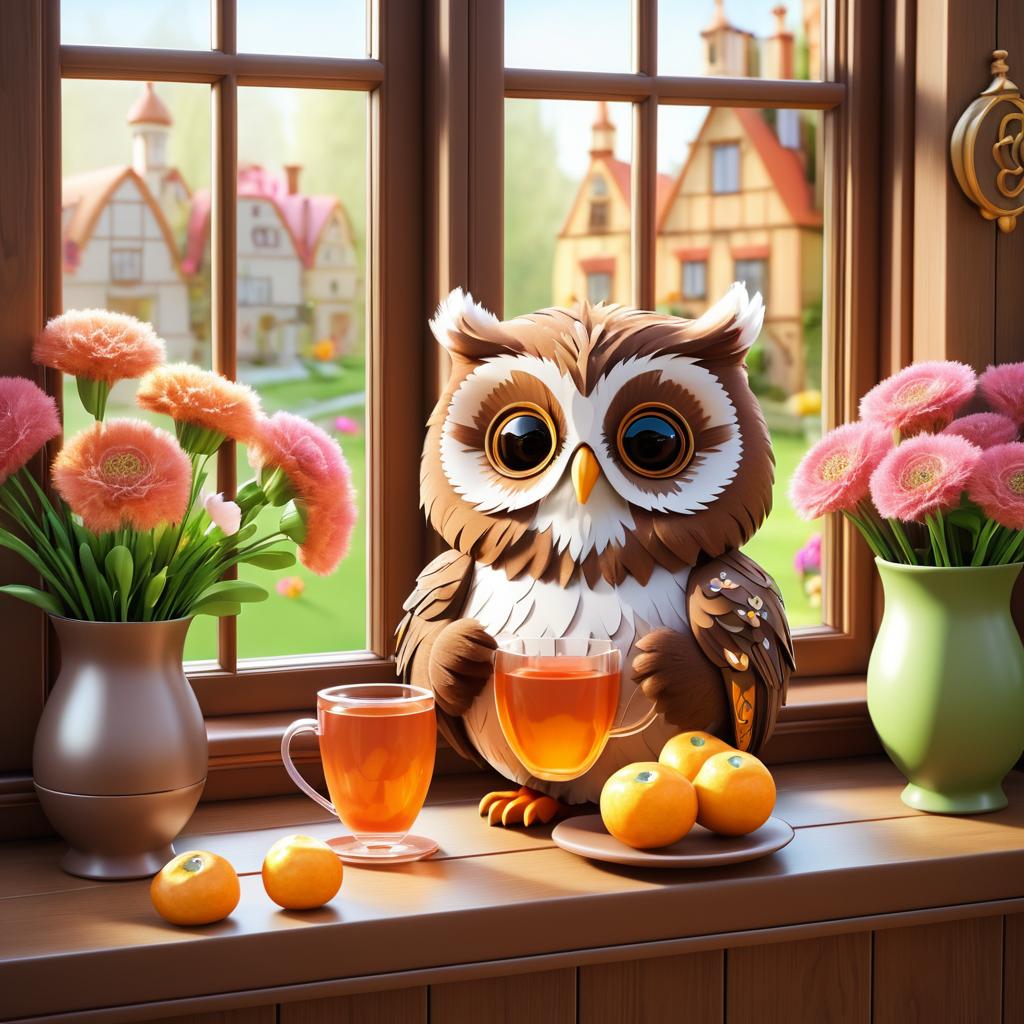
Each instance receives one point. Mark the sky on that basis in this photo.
(592, 35)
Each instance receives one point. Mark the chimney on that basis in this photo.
(728, 51)
(778, 48)
(602, 133)
(292, 172)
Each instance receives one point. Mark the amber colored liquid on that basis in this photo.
(556, 713)
(378, 762)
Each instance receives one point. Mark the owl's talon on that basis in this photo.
(523, 806)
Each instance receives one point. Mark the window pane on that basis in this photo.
(301, 329)
(136, 160)
(766, 230)
(567, 196)
(163, 24)
(570, 35)
(310, 28)
(740, 38)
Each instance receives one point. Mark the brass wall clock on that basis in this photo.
(986, 148)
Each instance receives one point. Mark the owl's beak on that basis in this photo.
(585, 471)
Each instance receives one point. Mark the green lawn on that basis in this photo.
(330, 615)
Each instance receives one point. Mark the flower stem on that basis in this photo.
(901, 539)
(984, 539)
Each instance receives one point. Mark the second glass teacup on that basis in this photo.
(377, 743)
(557, 700)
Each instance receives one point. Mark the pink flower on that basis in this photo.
(1003, 388)
(291, 586)
(808, 558)
(124, 473)
(318, 473)
(225, 515)
(347, 425)
(925, 396)
(99, 345)
(997, 484)
(833, 476)
(984, 429)
(28, 419)
(923, 475)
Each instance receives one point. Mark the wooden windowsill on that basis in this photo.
(492, 900)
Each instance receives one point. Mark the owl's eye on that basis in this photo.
(521, 440)
(655, 441)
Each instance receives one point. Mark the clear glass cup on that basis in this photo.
(557, 700)
(377, 743)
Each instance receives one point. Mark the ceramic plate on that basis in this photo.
(588, 837)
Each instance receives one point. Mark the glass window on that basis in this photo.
(570, 35)
(159, 24)
(307, 28)
(695, 279)
(754, 274)
(599, 286)
(725, 167)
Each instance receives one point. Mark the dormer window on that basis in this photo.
(598, 204)
(725, 168)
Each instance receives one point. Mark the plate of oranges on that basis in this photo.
(701, 804)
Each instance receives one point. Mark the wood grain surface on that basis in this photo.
(548, 997)
(399, 1006)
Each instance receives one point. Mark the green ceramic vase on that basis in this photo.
(946, 684)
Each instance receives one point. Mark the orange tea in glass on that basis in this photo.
(557, 700)
(377, 744)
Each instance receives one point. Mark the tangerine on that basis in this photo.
(735, 793)
(196, 887)
(688, 751)
(648, 804)
(300, 873)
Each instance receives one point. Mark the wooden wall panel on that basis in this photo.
(664, 990)
(825, 979)
(1013, 974)
(940, 972)
(548, 997)
(399, 1006)
(250, 1015)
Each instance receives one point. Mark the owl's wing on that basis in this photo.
(436, 602)
(739, 621)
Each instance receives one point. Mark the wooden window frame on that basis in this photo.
(465, 222)
(391, 78)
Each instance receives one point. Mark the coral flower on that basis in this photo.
(28, 419)
(997, 485)
(923, 475)
(984, 429)
(925, 396)
(319, 476)
(124, 473)
(99, 345)
(833, 476)
(1003, 388)
(205, 406)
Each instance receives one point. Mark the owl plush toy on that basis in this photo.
(593, 472)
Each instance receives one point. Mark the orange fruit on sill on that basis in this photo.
(300, 873)
(735, 793)
(688, 751)
(648, 804)
(195, 887)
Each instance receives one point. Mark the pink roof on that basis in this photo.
(149, 108)
(304, 216)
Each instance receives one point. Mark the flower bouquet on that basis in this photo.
(134, 537)
(128, 550)
(940, 502)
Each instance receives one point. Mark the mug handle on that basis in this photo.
(302, 725)
(632, 730)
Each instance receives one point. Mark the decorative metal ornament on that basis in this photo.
(986, 148)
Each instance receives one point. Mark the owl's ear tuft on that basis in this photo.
(466, 329)
(725, 332)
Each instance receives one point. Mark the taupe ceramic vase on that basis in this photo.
(120, 753)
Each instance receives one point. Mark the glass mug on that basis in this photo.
(377, 743)
(557, 700)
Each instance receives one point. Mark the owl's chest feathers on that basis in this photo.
(529, 607)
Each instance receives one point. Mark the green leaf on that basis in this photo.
(39, 598)
(119, 568)
(19, 547)
(217, 608)
(273, 559)
(96, 584)
(232, 590)
(154, 588)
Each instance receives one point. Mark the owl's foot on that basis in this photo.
(521, 806)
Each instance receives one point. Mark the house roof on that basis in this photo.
(783, 165)
(619, 172)
(149, 109)
(87, 194)
(303, 216)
